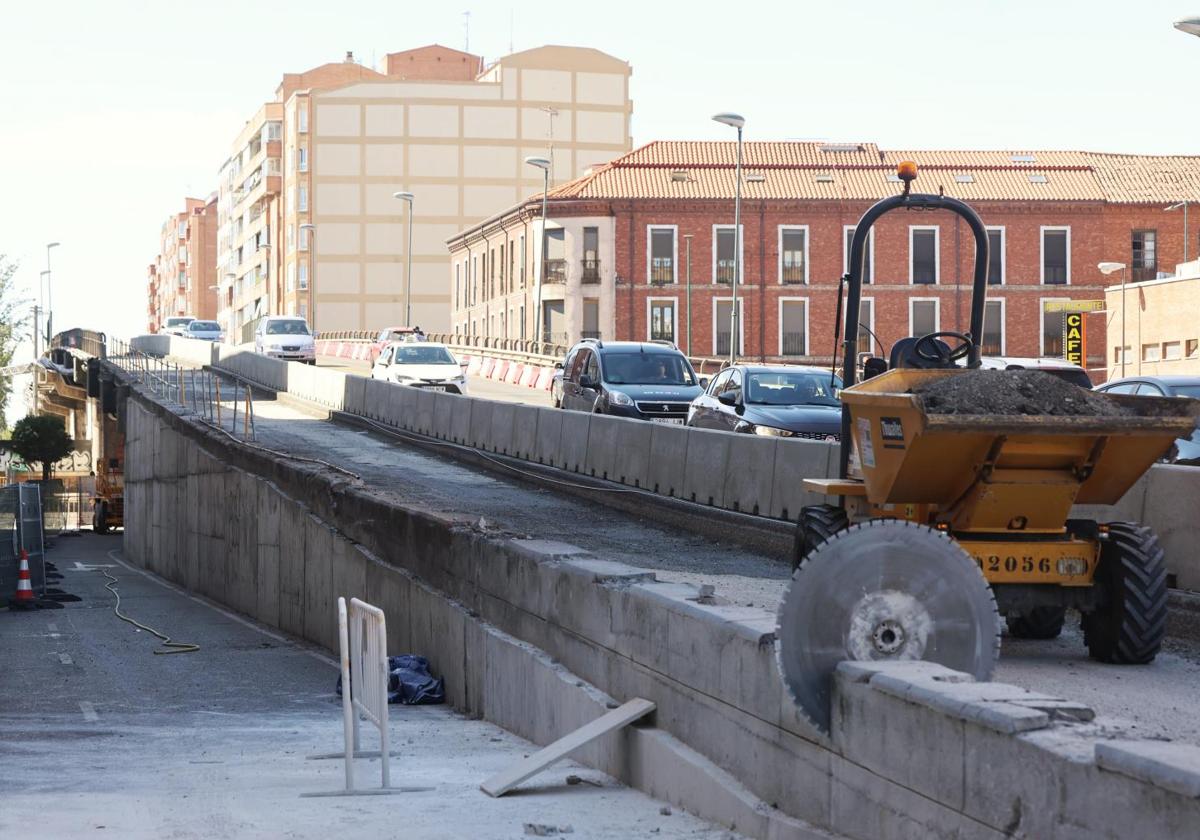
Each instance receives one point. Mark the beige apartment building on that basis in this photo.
(179, 279)
(1157, 319)
(308, 221)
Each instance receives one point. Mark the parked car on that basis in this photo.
(387, 336)
(285, 337)
(1055, 367)
(421, 365)
(771, 400)
(556, 385)
(204, 331)
(1186, 451)
(648, 380)
(175, 325)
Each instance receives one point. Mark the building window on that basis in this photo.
(923, 316)
(993, 328)
(502, 266)
(302, 119)
(1151, 353)
(660, 261)
(512, 266)
(302, 199)
(302, 159)
(793, 327)
(291, 276)
(303, 275)
(1145, 255)
(556, 262)
(866, 327)
(1056, 256)
(474, 283)
(591, 255)
(722, 308)
(1172, 351)
(522, 321)
(457, 283)
(522, 268)
(922, 256)
(1121, 356)
(1052, 329)
(291, 239)
(724, 243)
(591, 318)
(868, 253)
(1191, 348)
(793, 252)
(304, 238)
(996, 261)
(661, 320)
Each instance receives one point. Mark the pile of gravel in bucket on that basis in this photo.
(1014, 393)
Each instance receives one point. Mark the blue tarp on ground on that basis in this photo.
(409, 682)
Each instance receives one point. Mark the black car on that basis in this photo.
(773, 401)
(1186, 451)
(648, 380)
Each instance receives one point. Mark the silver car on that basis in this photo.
(287, 338)
(176, 324)
(204, 331)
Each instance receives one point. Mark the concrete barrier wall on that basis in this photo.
(517, 626)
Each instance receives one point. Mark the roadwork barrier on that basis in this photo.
(542, 637)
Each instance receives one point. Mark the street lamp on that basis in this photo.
(49, 294)
(1184, 204)
(1189, 25)
(1107, 268)
(407, 197)
(544, 165)
(738, 122)
(687, 241)
(311, 230)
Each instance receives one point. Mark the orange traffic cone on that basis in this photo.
(24, 596)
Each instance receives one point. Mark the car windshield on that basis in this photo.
(178, 322)
(204, 326)
(1192, 391)
(416, 354)
(287, 328)
(791, 388)
(647, 369)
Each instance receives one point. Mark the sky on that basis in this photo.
(111, 112)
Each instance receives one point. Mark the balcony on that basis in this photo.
(556, 271)
(793, 344)
(724, 272)
(662, 271)
(591, 272)
(793, 274)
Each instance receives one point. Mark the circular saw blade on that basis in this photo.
(883, 590)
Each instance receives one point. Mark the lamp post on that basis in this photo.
(738, 122)
(544, 165)
(311, 230)
(1189, 25)
(1184, 204)
(687, 243)
(49, 294)
(407, 197)
(1107, 268)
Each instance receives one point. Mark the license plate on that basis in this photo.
(675, 421)
(435, 387)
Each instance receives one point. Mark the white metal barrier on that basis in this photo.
(362, 636)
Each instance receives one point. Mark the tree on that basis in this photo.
(12, 328)
(41, 438)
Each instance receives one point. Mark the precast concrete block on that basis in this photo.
(292, 538)
(377, 402)
(1172, 511)
(603, 440)
(1171, 766)
(573, 441)
(525, 431)
(354, 398)
(266, 608)
(631, 453)
(426, 400)
(705, 465)
(452, 419)
(349, 570)
(665, 470)
(499, 438)
(331, 387)
(750, 473)
(549, 436)
(796, 460)
(391, 590)
(320, 605)
(479, 434)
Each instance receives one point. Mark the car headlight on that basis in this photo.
(400, 377)
(771, 431)
(619, 398)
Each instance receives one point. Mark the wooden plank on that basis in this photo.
(835, 486)
(506, 780)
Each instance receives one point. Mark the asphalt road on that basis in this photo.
(477, 386)
(100, 737)
(1156, 698)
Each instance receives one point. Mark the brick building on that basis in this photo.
(178, 280)
(619, 240)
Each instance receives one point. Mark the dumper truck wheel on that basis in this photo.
(1038, 623)
(817, 524)
(884, 590)
(1128, 628)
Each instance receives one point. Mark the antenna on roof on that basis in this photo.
(511, 19)
(466, 31)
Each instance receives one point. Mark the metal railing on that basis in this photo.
(793, 344)
(662, 271)
(792, 274)
(556, 271)
(724, 272)
(591, 272)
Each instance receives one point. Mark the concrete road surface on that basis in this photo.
(478, 387)
(100, 737)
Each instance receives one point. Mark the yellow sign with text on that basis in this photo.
(1074, 305)
(1075, 338)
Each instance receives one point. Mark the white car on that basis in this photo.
(287, 338)
(204, 331)
(421, 365)
(175, 325)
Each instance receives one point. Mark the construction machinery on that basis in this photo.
(946, 521)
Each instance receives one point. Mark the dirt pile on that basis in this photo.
(1014, 393)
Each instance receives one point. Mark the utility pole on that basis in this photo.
(687, 239)
(37, 354)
